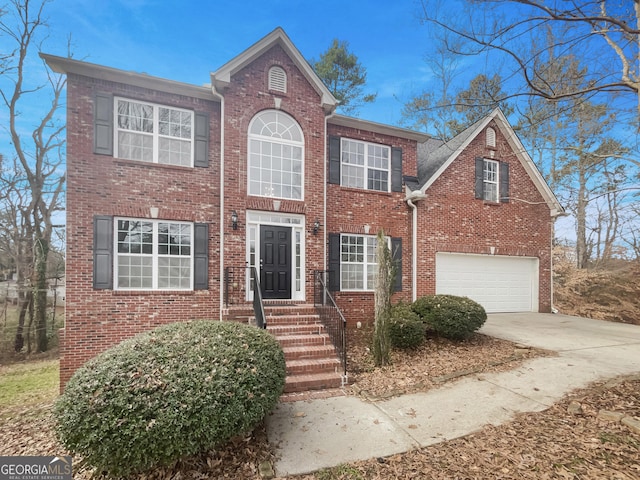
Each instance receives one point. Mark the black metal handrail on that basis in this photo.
(331, 316)
(235, 291)
(258, 304)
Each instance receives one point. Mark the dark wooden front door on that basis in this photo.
(275, 261)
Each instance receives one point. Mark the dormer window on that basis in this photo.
(277, 79)
(491, 137)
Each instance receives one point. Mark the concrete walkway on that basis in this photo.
(310, 435)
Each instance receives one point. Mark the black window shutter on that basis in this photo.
(396, 254)
(396, 169)
(334, 160)
(504, 182)
(201, 256)
(102, 252)
(334, 262)
(103, 124)
(479, 177)
(201, 139)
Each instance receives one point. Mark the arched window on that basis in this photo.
(277, 79)
(491, 137)
(276, 156)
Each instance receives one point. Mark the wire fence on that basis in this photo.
(13, 347)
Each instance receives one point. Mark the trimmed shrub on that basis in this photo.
(406, 330)
(450, 316)
(175, 391)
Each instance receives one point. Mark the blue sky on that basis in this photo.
(185, 40)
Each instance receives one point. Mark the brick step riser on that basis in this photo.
(307, 354)
(325, 367)
(304, 340)
(293, 385)
(293, 320)
(277, 315)
(309, 329)
(292, 311)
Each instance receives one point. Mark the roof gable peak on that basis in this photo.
(221, 78)
(450, 150)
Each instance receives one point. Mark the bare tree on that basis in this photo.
(606, 38)
(16, 241)
(38, 159)
(630, 233)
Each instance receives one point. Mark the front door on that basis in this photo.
(275, 261)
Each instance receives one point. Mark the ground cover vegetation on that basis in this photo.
(562, 442)
(175, 391)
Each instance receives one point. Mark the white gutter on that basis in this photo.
(326, 181)
(414, 196)
(221, 256)
(555, 215)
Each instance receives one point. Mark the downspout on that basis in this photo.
(412, 197)
(555, 216)
(326, 168)
(221, 256)
(551, 269)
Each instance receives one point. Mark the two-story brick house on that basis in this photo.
(175, 191)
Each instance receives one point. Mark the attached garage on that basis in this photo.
(498, 283)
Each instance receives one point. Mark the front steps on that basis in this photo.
(312, 361)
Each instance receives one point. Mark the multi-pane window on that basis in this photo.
(365, 165)
(490, 180)
(153, 255)
(276, 153)
(153, 133)
(358, 262)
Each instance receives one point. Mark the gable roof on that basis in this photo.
(221, 78)
(69, 65)
(359, 124)
(433, 160)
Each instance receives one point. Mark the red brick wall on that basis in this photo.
(103, 185)
(450, 219)
(246, 96)
(349, 209)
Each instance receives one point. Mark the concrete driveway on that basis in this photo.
(315, 434)
(615, 347)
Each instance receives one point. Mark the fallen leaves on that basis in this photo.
(590, 443)
(436, 362)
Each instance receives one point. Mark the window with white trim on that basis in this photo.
(276, 156)
(365, 165)
(153, 133)
(153, 255)
(358, 262)
(490, 180)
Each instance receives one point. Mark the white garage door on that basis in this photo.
(498, 283)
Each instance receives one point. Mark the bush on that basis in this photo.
(450, 316)
(406, 330)
(178, 390)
